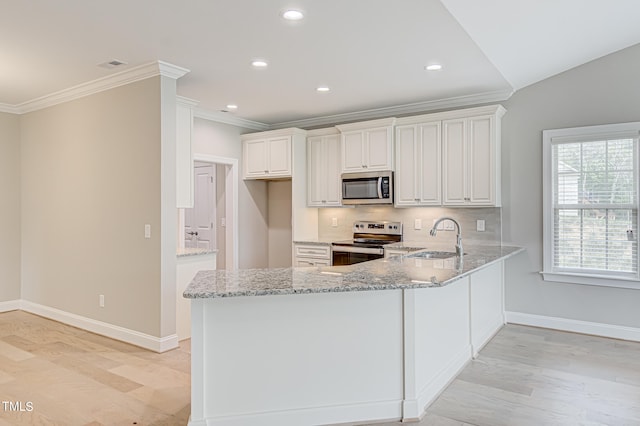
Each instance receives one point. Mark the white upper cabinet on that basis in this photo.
(449, 158)
(323, 168)
(367, 146)
(418, 162)
(471, 160)
(184, 153)
(266, 157)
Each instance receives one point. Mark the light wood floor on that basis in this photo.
(530, 376)
(73, 377)
(524, 376)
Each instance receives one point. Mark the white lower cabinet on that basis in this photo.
(312, 255)
(486, 303)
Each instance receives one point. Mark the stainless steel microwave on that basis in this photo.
(367, 188)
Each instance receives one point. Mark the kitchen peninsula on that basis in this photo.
(323, 347)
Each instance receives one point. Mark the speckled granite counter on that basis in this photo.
(399, 272)
(183, 252)
(316, 242)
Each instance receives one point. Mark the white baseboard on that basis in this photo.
(10, 305)
(320, 415)
(146, 341)
(575, 326)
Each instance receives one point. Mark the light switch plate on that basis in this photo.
(334, 222)
(480, 225)
(417, 224)
(448, 225)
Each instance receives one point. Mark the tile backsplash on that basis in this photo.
(467, 218)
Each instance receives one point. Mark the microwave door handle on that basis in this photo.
(380, 187)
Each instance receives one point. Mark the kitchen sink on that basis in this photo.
(433, 254)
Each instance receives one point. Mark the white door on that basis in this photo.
(199, 229)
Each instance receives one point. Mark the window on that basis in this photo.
(591, 205)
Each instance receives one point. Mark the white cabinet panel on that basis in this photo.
(454, 161)
(481, 161)
(470, 162)
(418, 170)
(367, 146)
(312, 255)
(255, 158)
(267, 158)
(184, 153)
(379, 149)
(323, 171)
(353, 152)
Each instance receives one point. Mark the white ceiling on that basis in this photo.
(371, 53)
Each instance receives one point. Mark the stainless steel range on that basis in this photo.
(369, 239)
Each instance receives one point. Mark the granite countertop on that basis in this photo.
(316, 241)
(397, 272)
(183, 252)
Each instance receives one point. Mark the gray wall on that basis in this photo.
(600, 92)
(9, 207)
(223, 140)
(90, 181)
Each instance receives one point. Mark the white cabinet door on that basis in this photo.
(482, 155)
(379, 149)
(316, 186)
(418, 169)
(323, 171)
(407, 173)
(454, 162)
(332, 171)
(255, 158)
(469, 161)
(279, 156)
(353, 152)
(267, 158)
(430, 160)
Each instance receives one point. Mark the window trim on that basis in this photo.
(581, 134)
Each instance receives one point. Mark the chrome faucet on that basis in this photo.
(434, 231)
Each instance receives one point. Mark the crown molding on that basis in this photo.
(187, 102)
(226, 118)
(11, 109)
(122, 78)
(289, 131)
(398, 110)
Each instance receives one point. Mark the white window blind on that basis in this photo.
(591, 209)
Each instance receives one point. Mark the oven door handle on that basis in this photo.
(363, 250)
(380, 187)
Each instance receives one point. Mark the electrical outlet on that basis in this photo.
(147, 231)
(223, 221)
(480, 225)
(417, 224)
(334, 222)
(101, 301)
(440, 225)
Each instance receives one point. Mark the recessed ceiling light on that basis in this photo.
(293, 15)
(322, 89)
(232, 106)
(433, 67)
(259, 63)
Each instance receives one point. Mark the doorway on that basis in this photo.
(215, 214)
